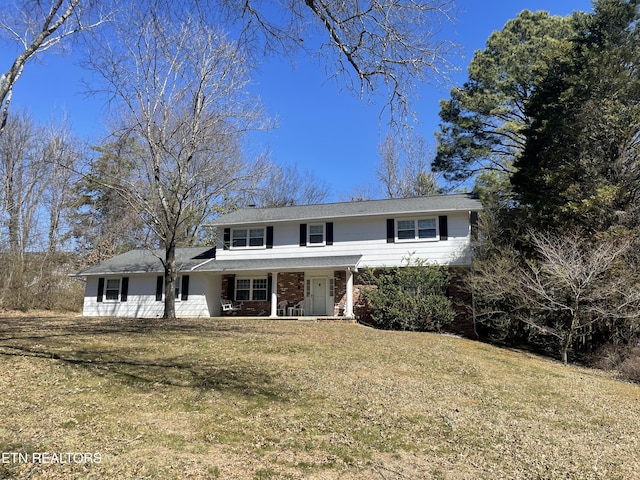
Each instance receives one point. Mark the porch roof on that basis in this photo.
(199, 259)
(280, 264)
(148, 261)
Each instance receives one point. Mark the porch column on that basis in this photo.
(348, 302)
(274, 294)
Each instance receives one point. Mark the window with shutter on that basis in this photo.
(417, 229)
(248, 237)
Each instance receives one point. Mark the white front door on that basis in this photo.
(318, 296)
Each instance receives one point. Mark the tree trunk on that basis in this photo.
(13, 211)
(170, 276)
(566, 344)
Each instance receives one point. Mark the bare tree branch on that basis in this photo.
(38, 26)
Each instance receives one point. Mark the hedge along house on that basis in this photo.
(299, 260)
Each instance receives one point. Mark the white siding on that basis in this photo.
(366, 237)
(141, 299)
(213, 293)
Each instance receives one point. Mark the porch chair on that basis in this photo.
(282, 308)
(298, 309)
(229, 306)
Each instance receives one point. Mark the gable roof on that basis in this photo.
(433, 204)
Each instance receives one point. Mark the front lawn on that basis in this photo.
(239, 399)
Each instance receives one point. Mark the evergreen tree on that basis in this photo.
(484, 122)
(581, 162)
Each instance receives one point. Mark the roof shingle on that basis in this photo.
(433, 204)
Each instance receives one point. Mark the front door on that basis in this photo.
(318, 296)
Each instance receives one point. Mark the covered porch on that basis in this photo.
(314, 288)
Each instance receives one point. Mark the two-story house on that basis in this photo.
(299, 260)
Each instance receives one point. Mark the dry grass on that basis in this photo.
(263, 399)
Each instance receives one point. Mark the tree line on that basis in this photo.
(547, 129)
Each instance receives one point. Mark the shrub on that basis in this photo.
(630, 367)
(412, 297)
(621, 358)
(39, 281)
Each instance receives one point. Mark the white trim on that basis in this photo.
(348, 301)
(274, 294)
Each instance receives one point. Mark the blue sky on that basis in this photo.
(322, 128)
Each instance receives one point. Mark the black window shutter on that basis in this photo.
(391, 230)
(329, 233)
(124, 289)
(159, 288)
(303, 234)
(226, 239)
(231, 288)
(184, 290)
(269, 237)
(269, 287)
(100, 289)
(443, 227)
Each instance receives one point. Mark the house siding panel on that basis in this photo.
(141, 299)
(368, 237)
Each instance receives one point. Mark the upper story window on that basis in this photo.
(316, 234)
(248, 238)
(417, 229)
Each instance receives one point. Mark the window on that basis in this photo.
(406, 229)
(251, 289)
(112, 292)
(112, 289)
(259, 289)
(177, 288)
(427, 228)
(316, 234)
(248, 237)
(417, 229)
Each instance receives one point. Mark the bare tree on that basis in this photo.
(62, 153)
(404, 168)
(575, 287)
(37, 26)
(286, 185)
(24, 174)
(177, 91)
